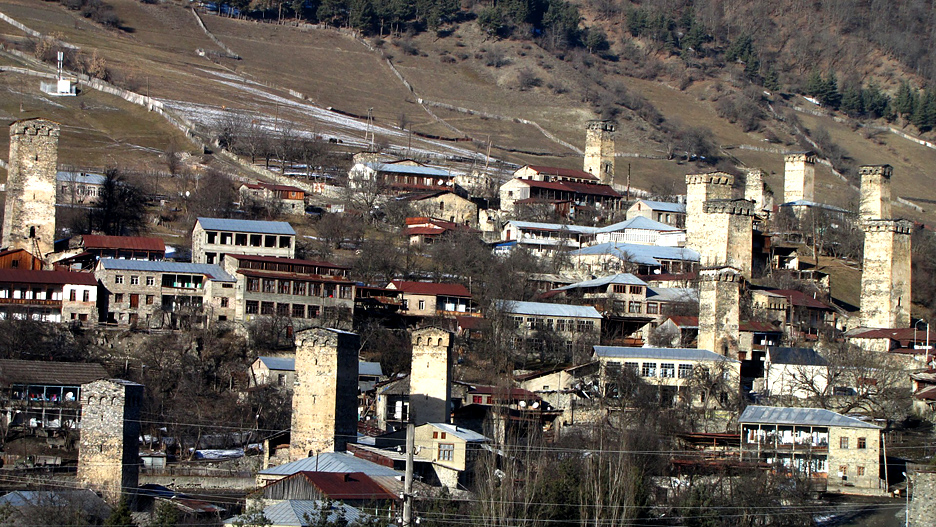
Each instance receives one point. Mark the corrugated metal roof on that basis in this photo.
(279, 363)
(638, 222)
(559, 227)
(795, 356)
(332, 462)
(214, 272)
(544, 309)
(811, 204)
(296, 513)
(142, 243)
(344, 485)
(369, 368)
(639, 254)
(462, 433)
(83, 178)
(658, 353)
(622, 278)
(565, 172)
(430, 288)
(30, 276)
(409, 169)
(254, 226)
(14, 371)
(672, 294)
(664, 206)
(799, 416)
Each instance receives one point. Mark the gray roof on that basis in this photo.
(795, 356)
(811, 204)
(672, 294)
(639, 254)
(298, 513)
(369, 368)
(800, 416)
(622, 278)
(408, 169)
(579, 229)
(259, 227)
(544, 309)
(279, 363)
(462, 433)
(664, 206)
(638, 222)
(332, 462)
(79, 177)
(622, 352)
(215, 272)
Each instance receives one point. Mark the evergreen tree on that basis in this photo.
(853, 101)
(905, 102)
(120, 517)
(814, 84)
(924, 116)
(361, 15)
(830, 95)
(637, 21)
(167, 515)
(876, 103)
(772, 80)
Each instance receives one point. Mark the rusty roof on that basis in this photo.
(29, 276)
(138, 243)
(346, 485)
(14, 371)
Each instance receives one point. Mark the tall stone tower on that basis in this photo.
(430, 385)
(727, 234)
(885, 276)
(875, 192)
(754, 189)
(699, 189)
(324, 404)
(109, 450)
(720, 311)
(799, 177)
(29, 212)
(599, 150)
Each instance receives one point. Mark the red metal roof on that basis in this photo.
(755, 326)
(291, 261)
(563, 172)
(27, 276)
(798, 298)
(431, 288)
(899, 334)
(579, 188)
(259, 273)
(136, 243)
(283, 188)
(928, 394)
(425, 230)
(470, 323)
(347, 485)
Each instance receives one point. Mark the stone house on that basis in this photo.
(836, 452)
(213, 238)
(163, 294)
(565, 328)
(445, 205)
(564, 198)
(609, 258)
(44, 394)
(84, 251)
(912, 340)
(791, 373)
(400, 177)
(78, 188)
(453, 451)
(278, 371)
(49, 296)
(642, 231)
(285, 198)
(426, 231)
(672, 370)
(429, 299)
(805, 315)
(673, 214)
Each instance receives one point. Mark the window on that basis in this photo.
(298, 311)
(266, 308)
(562, 325)
(632, 367)
(118, 279)
(149, 300)
(633, 307)
(253, 285)
(636, 290)
(685, 371)
(282, 310)
(118, 298)
(15, 264)
(843, 443)
(224, 301)
(619, 288)
(72, 295)
(284, 242)
(435, 435)
(648, 369)
(252, 307)
(477, 399)
(843, 470)
(151, 281)
(667, 370)
(653, 308)
(861, 471)
(446, 452)
(422, 304)
(862, 442)
(134, 280)
(285, 287)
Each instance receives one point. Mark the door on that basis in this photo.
(134, 301)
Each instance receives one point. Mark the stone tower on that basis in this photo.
(727, 234)
(720, 311)
(885, 276)
(754, 189)
(109, 450)
(875, 192)
(430, 385)
(599, 150)
(29, 212)
(799, 176)
(699, 189)
(324, 404)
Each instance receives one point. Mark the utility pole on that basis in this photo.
(408, 481)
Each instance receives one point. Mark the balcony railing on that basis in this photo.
(30, 302)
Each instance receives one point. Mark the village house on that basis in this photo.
(213, 238)
(445, 205)
(675, 371)
(163, 294)
(672, 214)
(352, 488)
(537, 325)
(916, 341)
(84, 251)
(305, 291)
(924, 393)
(399, 177)
(426, 231)
(284, 198)
(20, 259)
(641, 231)
(755, 336)
(48, 296)
(802, 316)
(281, 372)
(453, 451)
(429, 299)
(78, 188)
(835, 452)
(792, 373)
(300, 513)
(610, 258)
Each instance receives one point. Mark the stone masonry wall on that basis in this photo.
(599, 150)
(699, 189)
(853, 459)
(430, 387)
(754, 188)
(30, 188)
(719, 311)
(109, 449)
(885, 277)
(324, 404)
(799, 177)
(923, 502)
(875, 192)
(726, 236)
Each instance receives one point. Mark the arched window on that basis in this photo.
(32, 232)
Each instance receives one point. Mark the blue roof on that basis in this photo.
(621, 352)
(297, 513)
(259, 227)
(79, 177)
(544, 309)
(462, 433)
(810, 204)
(279, 363)
(580, 229)
(664, 206)
(799, 416)
(638, 222)
(640, 254)
(672, 294)
(215, 272)
(408, 169)
(332, 462)
(623, 278)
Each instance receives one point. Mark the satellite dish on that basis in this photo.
(536, 405)
(522, 404)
